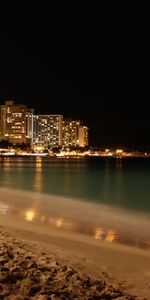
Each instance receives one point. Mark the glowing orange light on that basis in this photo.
(111, 236)
(98, 233)
(29, 215)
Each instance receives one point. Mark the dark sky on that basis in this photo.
(85, 62)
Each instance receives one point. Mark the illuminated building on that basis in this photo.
(15, 123)
(19, 125)
(71, 133)
(29, 123)
(74, 134)
(83, 136)
(47, 130)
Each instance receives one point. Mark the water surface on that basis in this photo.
(123, 183)
(107, 199)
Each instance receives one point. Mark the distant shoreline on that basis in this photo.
(74, 156)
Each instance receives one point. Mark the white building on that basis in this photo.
(47, 130)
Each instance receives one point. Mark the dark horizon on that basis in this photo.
(81, 65)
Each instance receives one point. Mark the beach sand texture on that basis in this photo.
(30, 273)
(41, 261)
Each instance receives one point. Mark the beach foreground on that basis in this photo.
(52, 248)
(28, 270)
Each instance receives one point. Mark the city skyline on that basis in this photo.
(83, 66)
(110, 142)
(20, 125)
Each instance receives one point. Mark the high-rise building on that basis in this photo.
(47, 130)
(71, 132)
(83, 136)
(18, 125)
(15, 121)
(74, 134)
(29, 123)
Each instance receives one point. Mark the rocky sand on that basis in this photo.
(29, 272)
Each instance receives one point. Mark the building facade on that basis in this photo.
(83, 136)
(71, 132)
(19, 125)
(29, 126)
(74, 134)
(15, 121)
(47, 131)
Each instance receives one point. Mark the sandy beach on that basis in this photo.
(28, 270)
(39, 261)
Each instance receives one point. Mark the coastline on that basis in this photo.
(121, 266)
(30, 270)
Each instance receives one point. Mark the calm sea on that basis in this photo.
(123, 183)
(106, 198)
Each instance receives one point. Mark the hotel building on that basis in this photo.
(19, 125)
(74, 134)
(15, 123)
(47, 130)
(83, 136)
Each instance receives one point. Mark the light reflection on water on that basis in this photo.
(115, 182)
(38, 175)
(109, 235)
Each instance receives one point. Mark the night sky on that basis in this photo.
(86, 63)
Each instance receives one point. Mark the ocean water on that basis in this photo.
(106, 198)
(123, 183)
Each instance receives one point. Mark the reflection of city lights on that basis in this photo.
(98, 233)
(29, 215)
(38, 158)
(38, 176)
(63, 223)
(38, 163)
(43, 218)
(59, 222)
(3, 208)
(111, 236)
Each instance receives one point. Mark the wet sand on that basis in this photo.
(30, 271)
(90, 249)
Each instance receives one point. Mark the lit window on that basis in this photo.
(9, 120)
